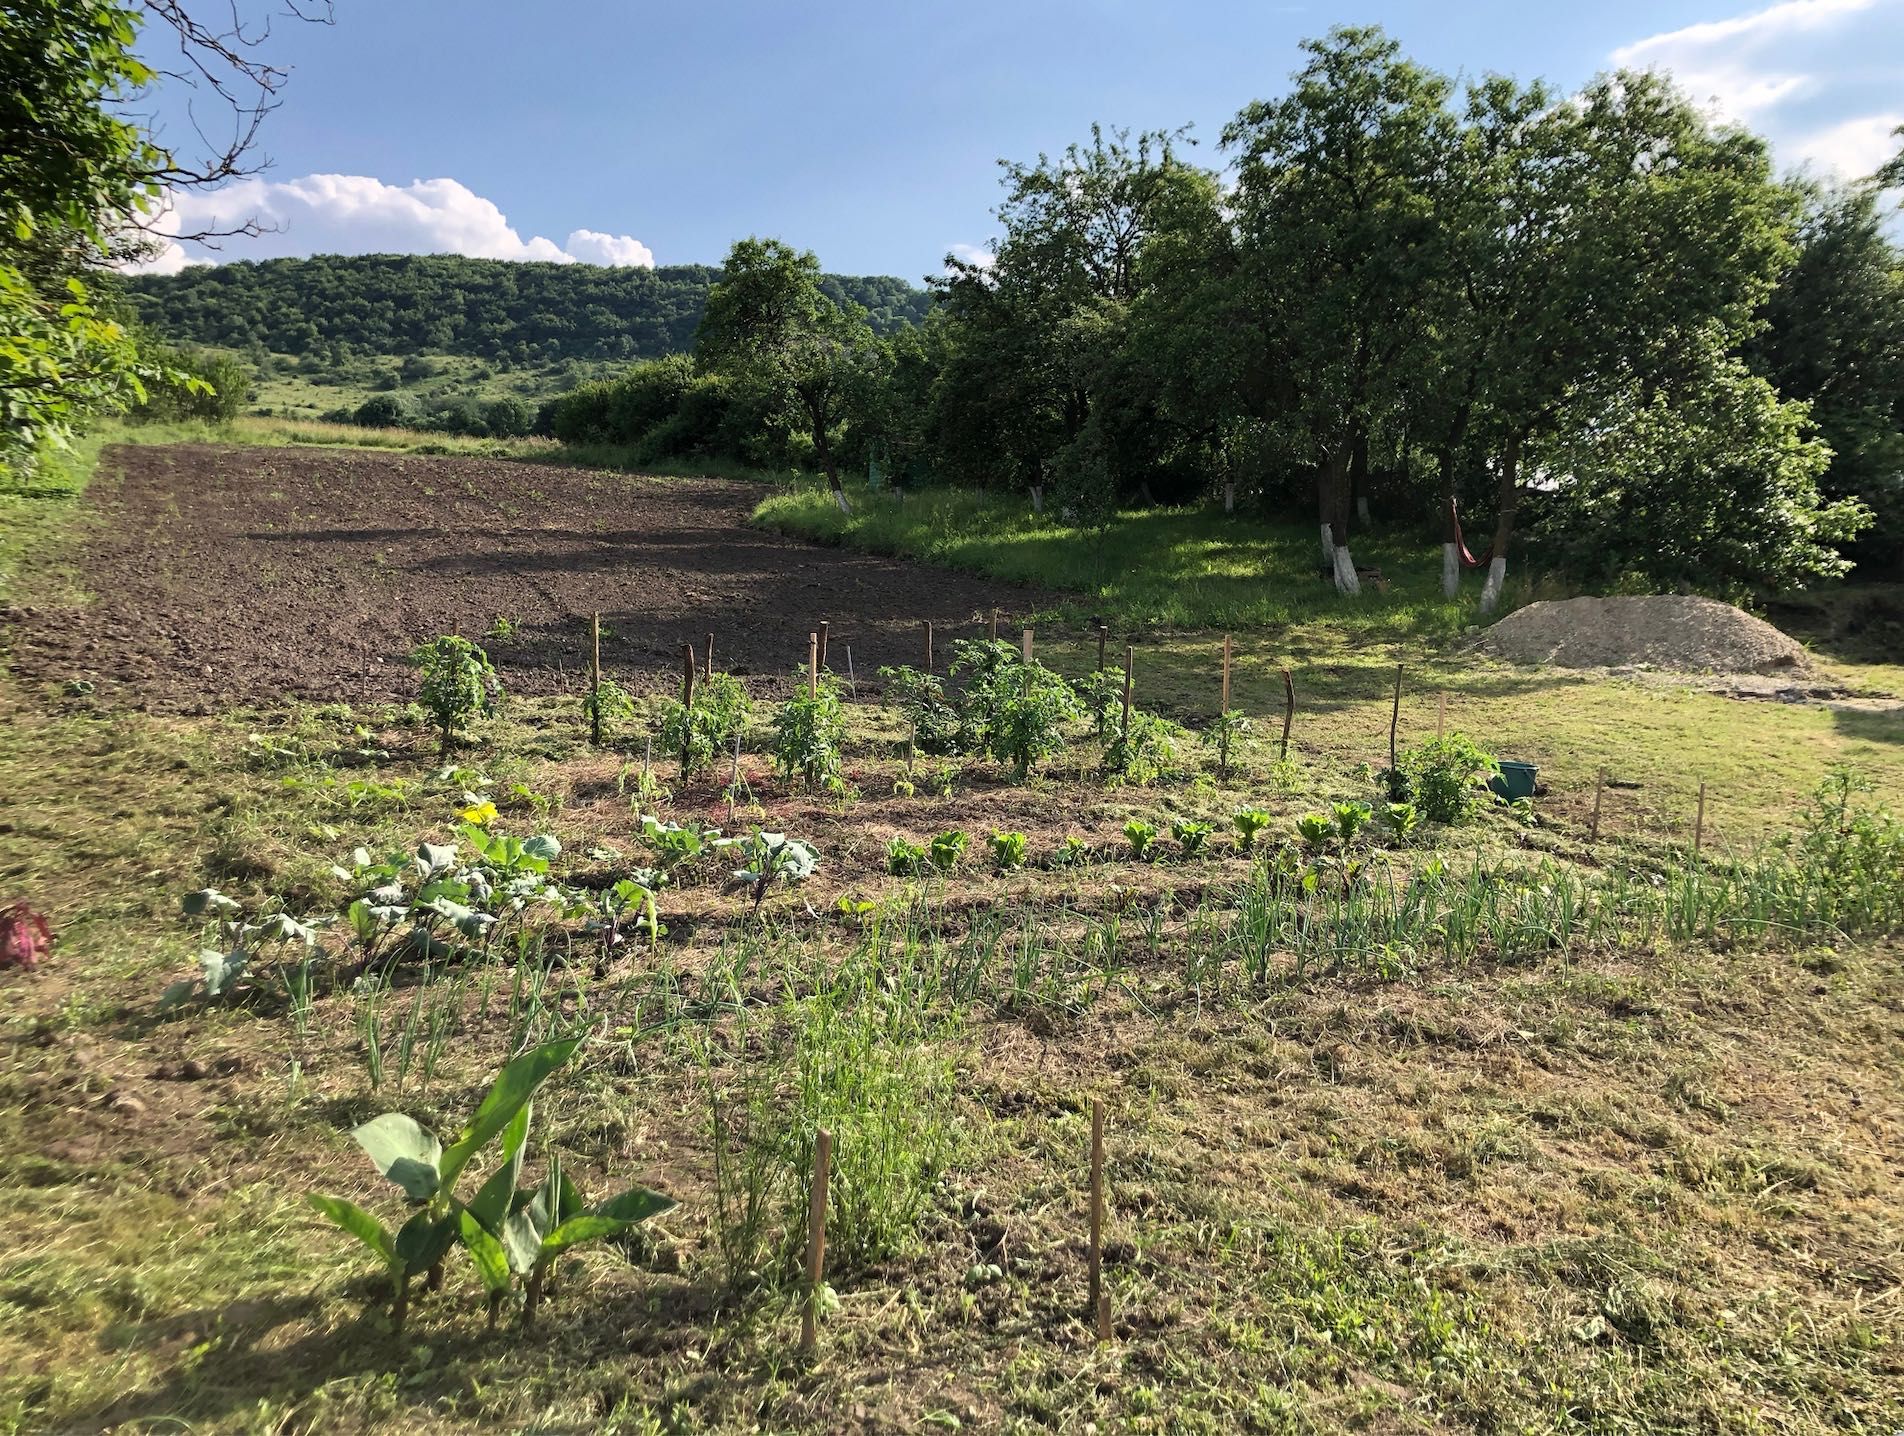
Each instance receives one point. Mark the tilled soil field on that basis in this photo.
(222, 576)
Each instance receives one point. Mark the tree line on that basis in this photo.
(1596, 319)
(335, 307)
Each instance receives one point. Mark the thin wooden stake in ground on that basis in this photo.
(1289, 713)
(816, 1238)
(1599, 792)
(813, 665)
(733, 782)
(707, 659)
(1226, 673)
(823, 643)
(1699, 823)
(687, 702)
(992, 633)
(1024, 646)
(1102, 634)
(595, 685)
(1100, 1301)
(1441, 713)
(1395, 717)
(1130, 661)
(928, 645)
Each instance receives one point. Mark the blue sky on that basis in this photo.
(869, 132)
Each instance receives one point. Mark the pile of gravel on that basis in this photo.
(1685, 635)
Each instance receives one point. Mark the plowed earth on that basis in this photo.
(219, 576)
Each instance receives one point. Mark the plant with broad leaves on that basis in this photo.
(1140, 835)
(629, 900)
(1350, 819)
(1099, 694)
(1315, 829)
(1444, 777)
(946, 849)
(24, 936)
(1192, 835)
(458, 684)
(1248, 822)
(771, 858)
(509, 1232)
(905, 859)
(1008, 850)
(1073, 852)
(1403, 820)
(1012, 708)
(809, 732)
(234, 946)
(698, 732)
(1144, 749)
(676, 845)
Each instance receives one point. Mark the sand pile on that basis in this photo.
(1686, 635)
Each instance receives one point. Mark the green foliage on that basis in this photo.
(603, 704)
(934, 723)
(1140, 835)
(1443, 777)
(1071, 853)
(1248, 822)
(457, 684)
(1350, 819)
(1143, 750)
(204, 384)
(1222, 735)
(1192, 836)
(1403, 821)
(809, 731)
(946, 849)
(384, 411)
(700, 733)
(905, 859)
(1008, 850)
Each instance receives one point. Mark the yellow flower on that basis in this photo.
(478, 813)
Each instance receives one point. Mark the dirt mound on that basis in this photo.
(1686, 635)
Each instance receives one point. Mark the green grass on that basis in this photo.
(37, 517)
(1192, 567)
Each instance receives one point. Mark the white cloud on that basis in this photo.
(1818, 78)
(356, 214)
(974, 254)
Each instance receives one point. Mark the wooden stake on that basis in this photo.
(1130, 661)
(595, 685)
(708, 659)
(1599, 792)
(1699, 823)
(813, 665)
(1289, 712)
(1024, 646)
(1395, 717)
(823, 643)
(733, 782)
(1100, 1302)
(1226, 673)
(1441, 713)
(993, 633)
(1102, 634)
(816, 1238)
(928, 645)
(687, 701)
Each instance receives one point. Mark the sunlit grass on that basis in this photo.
(1188, 567)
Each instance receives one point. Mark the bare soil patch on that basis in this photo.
(1681, 634)
(224, 575)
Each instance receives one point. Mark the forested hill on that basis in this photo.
(448, 304)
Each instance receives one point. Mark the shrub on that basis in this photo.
(382, 411)
(921, 698)
(1008, 850)
(508, 418)
(808, 733)
(458, 684)
(1443, 777)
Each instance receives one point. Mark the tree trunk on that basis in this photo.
(1359, 476)
(1503, 526)
(1332, 487)
(1450, 541)
(1037, 498)
(1229, 498)
(823, 451)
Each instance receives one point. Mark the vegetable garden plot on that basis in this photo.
(224, 576)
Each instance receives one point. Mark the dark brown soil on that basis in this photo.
(225, 576)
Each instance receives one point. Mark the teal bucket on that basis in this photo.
(1515, 780)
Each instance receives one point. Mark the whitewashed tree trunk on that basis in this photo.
(1328, 545)
(1450, 570)
(839, 500)
(1229, 498)
(1345, 580)
(1037, 498)
(1496, 578)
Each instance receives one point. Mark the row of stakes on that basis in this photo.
(817, 655)
(1099, 1308)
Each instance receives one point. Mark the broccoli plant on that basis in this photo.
(458, 684)
(676, 845)
(1008, 850)
(770, 858)
(234, 946)
(1248, 822)
(24, 936)
(809, 732)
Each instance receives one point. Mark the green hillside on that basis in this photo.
(337, 306)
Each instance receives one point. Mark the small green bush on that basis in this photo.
(1443, 777)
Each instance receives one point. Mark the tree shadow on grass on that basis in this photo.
(1872, 725)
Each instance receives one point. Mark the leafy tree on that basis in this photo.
(383, 411)
(771, 326)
